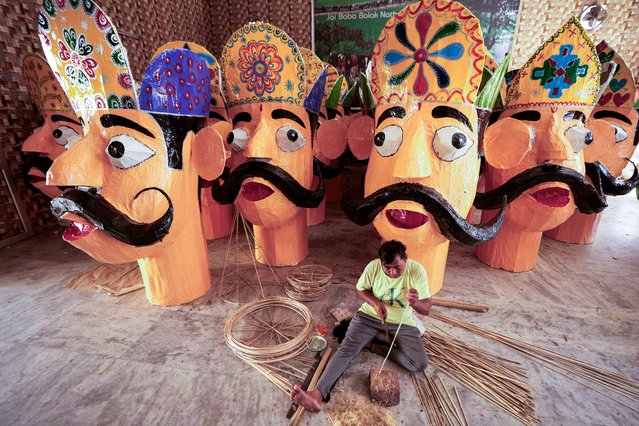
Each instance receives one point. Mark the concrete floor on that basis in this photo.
(79, 357)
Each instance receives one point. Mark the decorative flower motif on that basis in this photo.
(77, 52)
(560, 72)
(259, 67)
(424, 55)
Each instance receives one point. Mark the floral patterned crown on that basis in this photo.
(621, 90)
(261, 63)
(217, 99)
(86, 55)
(43, 87)
(563, 71)
(430, 50)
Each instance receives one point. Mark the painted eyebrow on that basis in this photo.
(394, 112)
(527, 116)
(448, 112)
(612, 114)
(216, 115)
(575, 115)
(282, 113)
(56, 117)
(111, 120)
(242, 116)
(321, 114)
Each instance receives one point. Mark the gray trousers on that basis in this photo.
(408, 350)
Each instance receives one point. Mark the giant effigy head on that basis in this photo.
(217, 219)
(274, 115)
(534, 151)
(614, 127)
(423, 158)
(135, 170)
(60, 130)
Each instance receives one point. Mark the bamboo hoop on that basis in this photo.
(289, 344)
(308, 283)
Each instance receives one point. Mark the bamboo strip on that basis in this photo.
(289, 345)
(459, 305)
(499, 381)
(605, 378)
(295, 420)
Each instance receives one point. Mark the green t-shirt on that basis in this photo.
(392, 291)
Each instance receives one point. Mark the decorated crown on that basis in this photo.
(261, 63)
(217, 100)
(86, 55)
(336, 88)
(563, 71)
(430, 50)
(313, 67)
(621, 90)
(177, 82)
(43, 87)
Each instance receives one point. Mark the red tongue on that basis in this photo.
(552, 197)
(254, 191)
(75, 231)
(405, 219)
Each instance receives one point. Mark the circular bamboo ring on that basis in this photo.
(308, 283)
(292, 344)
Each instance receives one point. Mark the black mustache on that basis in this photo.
(106, 217)
(610, 184)
(451, 224)
(328, 172)
(291, 188)
(588, 198)
(36, 161)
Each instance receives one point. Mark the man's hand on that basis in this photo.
(380, 308)
(412, 296)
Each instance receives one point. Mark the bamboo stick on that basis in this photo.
(295, 420)
(605, 378)
(460, 305)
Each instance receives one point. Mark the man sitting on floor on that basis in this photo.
(387, 286)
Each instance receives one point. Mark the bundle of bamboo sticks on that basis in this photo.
(438, 404)
(498, 380)
(284, 373)
(571, 367)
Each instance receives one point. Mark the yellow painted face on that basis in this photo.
(524, 138)
(279, 134)
(122, 155)
(430, 143)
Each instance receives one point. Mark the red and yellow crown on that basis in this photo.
(261, 63)
(43, 87)
(430, 50)
(563, 71)
(621, 91)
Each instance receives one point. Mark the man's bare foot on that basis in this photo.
(312, 401)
